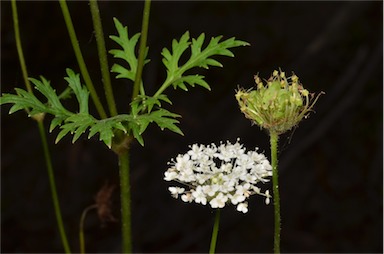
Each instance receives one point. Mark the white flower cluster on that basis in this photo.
(219, 174)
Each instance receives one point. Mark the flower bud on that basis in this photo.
(277, 106)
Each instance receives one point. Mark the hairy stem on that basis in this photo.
(125, 192)
(125, 196)
(274, 137)
(103, 57)
(81, 227)
(80, 59)
(52, 184)
(143, 48)
(215, 232)
(43, 137)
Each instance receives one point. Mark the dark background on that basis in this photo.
(331, 169)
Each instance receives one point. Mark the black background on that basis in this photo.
(331, 178)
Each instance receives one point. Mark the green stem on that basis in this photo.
(19, 47)
(125, 192)
(43, 137)
(80, 59)
(103, 57)
(125, 195)
(274, 137)
(215, 232)
(143, 48)
(55, 198)
(81, 227)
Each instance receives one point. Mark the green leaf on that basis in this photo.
(57, 121)
(143, 113)
(80, 91)
(146, 103)
(65, 130)
(127, 53)
(28, 101)
(53, 100)
(106, 132)
(123, 72)
(200, 57)
(23, 100)
(162, 117)
(171, 60)
(191, 80)
(78, 123)
(69, 122)
(135, 128)
(106, 127)
(75, 124)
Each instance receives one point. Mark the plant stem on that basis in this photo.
(125, 192)
(55, 199)
(19, 47)
(80, 59)
(215, 232)
(81, 227)
(43, 137)
(274, 137)
(125, 196)
(143, 48)
(103, 57)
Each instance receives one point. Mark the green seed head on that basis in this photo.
(278, 105)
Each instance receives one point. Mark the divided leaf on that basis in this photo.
(28, 101)
(80, 91)
(127, 52)
(143, 112)
(23, 100)
(75, 124)
(191, 80)
(200, 57)
(146, 103)
(106, 128)
(171, 60)
(162, 117)
(144, 109)
(53, 100)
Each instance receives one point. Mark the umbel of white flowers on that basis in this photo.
(218, 175)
